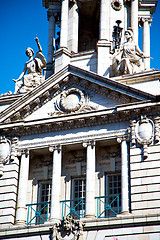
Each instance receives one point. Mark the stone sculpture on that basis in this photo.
(131, 57)
(33, 67)
(69, 228)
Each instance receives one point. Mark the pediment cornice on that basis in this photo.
(65, 78)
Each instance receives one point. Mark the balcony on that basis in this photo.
(107, 206)
(37, 213)
(73, 207)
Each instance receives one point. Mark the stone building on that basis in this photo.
(79, 151)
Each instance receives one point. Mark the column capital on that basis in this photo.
(142, 20)
(51, 13)
(23, 152)
(55, 147)
(87, 143)
(122, 139)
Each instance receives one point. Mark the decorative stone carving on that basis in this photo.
(143, 133)
(156, 130)
(144, 130)
(33, 67)
(70, 228)
(14, 149)
(72, 100)
(131, 57)
(116, 5)
(5, 152)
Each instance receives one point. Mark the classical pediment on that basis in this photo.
(70, 93)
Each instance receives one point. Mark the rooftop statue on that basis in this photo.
(33, 67)
(131, 57)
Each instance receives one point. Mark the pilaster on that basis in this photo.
(134, 19)
(64, 24)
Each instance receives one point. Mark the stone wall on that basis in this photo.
(8, 193)
(145, 181)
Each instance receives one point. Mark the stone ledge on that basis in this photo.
(93, 224)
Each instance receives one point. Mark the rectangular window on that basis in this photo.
(112, 189)
(78, 196)
(44, 199)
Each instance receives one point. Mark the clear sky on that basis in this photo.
(21, 20)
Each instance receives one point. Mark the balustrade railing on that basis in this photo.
(107, 206)
(38, 213)
(73, 207)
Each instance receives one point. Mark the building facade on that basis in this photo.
(79, 151)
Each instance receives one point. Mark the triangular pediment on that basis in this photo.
(71, 91)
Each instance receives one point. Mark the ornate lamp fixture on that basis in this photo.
(117, 35)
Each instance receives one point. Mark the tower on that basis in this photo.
(91, 31)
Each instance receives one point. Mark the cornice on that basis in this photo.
(138, 77)
(9, 98)
(81, 120)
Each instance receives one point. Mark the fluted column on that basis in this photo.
(134, 19)
(56, 182)
(104, 20)
(21, 214)
(90, 179)
(64, 23)
(146, 42)
(124, 177)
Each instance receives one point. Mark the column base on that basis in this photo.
(124, 213)
(89, 216)
(53, 220)
(21, 223)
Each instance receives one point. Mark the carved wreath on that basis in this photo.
(75, 105)
(72, 101)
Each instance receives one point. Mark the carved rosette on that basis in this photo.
(72, 101)
(143, 132)
(116, 5)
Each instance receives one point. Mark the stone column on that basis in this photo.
(64, 24)
(124, 177)
(134, 19)
(103, 45)
(90, 179)
(56, 183)
(104, 20)
(51, 42)
(21, 215)
(146, 42)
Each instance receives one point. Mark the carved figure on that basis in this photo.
(68, 227)
(33, 67)
(131, 57)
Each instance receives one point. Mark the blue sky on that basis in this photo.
(20, 22)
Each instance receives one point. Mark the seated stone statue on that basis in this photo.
(33, 68)
(131, 57)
